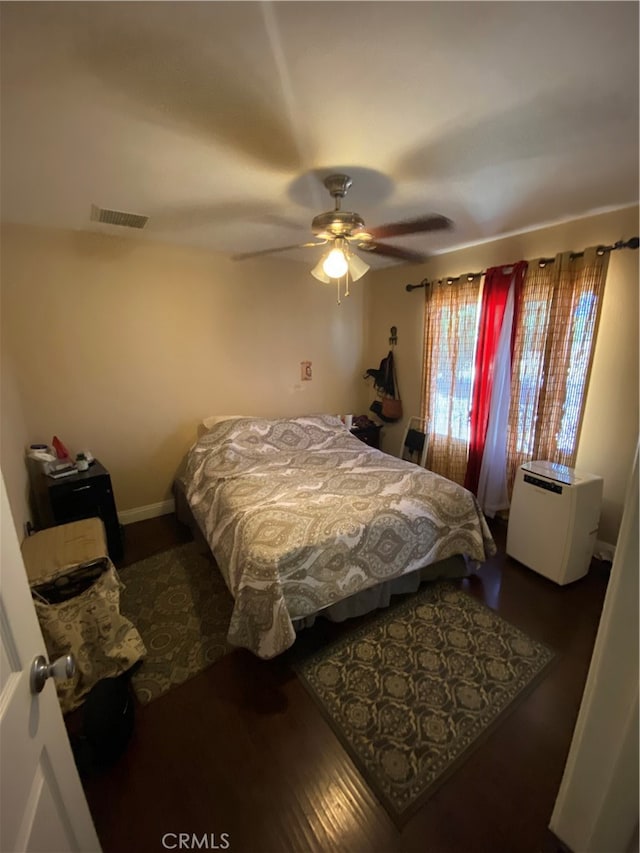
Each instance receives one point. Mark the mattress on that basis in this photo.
(300, 515)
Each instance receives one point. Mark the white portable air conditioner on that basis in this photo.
(553, 520)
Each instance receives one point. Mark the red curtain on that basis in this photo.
(494, 299)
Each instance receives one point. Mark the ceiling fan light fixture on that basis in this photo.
(357, 267)
(319, 273)
(335, 264)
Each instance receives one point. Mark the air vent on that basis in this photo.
(117, 217)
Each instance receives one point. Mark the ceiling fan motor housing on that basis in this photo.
(336, 223)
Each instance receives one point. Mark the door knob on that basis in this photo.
(62, 668)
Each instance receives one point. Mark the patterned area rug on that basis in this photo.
(413, 691)
(179, 603)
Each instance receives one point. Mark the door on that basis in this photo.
(41, 797)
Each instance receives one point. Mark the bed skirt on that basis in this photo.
(379, 596)
(367, 600)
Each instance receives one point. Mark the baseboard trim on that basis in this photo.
(604, 551)
(140, 513)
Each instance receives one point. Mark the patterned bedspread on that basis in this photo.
(300, 514)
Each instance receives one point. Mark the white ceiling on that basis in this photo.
(218, 120)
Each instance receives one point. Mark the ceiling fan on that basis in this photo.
(343, 230)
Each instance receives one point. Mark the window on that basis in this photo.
(582, 334)
(556, 324)
(529, 367)
(451, 319)
(454, 381)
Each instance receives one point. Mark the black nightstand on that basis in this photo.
(82, 495)
(369, 434)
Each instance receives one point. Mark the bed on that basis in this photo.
(303, 518)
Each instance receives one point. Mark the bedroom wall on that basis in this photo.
(13, 428)
(122, 346)
(610, 427)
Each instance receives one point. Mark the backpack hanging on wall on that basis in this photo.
(389, 405)
(383, 376)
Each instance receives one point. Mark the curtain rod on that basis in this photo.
(632, 243)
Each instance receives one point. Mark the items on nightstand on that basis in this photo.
(366, 430)
(82, 463)
(60, 449)
(39, 459)
(61, 469)
(362, 422)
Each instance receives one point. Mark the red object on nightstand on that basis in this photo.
(60, 449)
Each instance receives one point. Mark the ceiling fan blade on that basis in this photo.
(432, 222)
(246, 255)
(393, 252)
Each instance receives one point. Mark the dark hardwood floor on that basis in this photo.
(241, 749)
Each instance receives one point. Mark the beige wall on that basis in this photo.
(121, 347)
(610, 427)
(12, 432)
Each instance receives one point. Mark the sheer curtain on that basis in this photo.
(498, 283)
(553, 353)
(451, 317)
